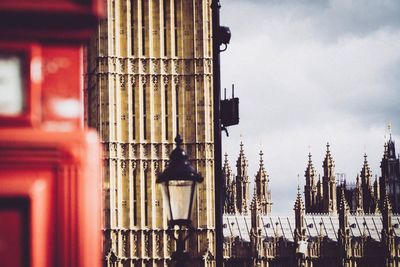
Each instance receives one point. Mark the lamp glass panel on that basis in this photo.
(180, 193)
(11, 85)
(166, 201)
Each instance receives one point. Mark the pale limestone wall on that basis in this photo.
(149, 77)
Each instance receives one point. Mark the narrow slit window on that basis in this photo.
(143, 13)
(133, 113)
(134, 198)
(113, 26)
(166, 112)
(165, 23)
(177, 108)
(176, 26)
(146, 206)
(144, 113)
(133, 8)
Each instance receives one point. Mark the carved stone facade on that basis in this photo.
(149, 77)
(237, 196)
(362, 196)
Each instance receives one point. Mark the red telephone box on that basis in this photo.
(50, 180)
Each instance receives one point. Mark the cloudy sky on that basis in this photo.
(310, 72)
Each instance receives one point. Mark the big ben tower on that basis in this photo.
(149, 77)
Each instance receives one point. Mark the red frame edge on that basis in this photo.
(32, 72)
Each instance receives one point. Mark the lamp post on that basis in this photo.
(179, 183)
(221, 36)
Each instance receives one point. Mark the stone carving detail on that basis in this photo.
(209, 65)
(158, 244)
(133, 165)
(165, 65)
(134, 150)
(132, 65)
(132, 80)
(145, 165)
(169, 245)
(144, 80)
(165, 80)
(176, 80)
(156, 166)
(187, 65)
(125, 244)
(124, 149)
(123, 167)
(176, 65)
(188, 84)
(121, 64)
(122, 81)
(157, 150)
(155, 82)
(154, 65)
(114, 63)
(135, 245)
(143, 63)
(147, 244)
(146, 150)
(114, 147)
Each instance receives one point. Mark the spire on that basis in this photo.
(299, 201)
(366, 174)
(344, 211)
(255, 211)
(329, 183)
(310, 188)
(229, 204)
(242, 182)
(367, 190)
(385, 151)
(387, 215)
(328, 161)
(359, 197)
(310, 171)
(261, 187)
(299, 213)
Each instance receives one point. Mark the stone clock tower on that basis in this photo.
(149, 77)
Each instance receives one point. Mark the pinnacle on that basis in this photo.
(261, 158)
(343, 202)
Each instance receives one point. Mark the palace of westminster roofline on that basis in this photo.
(337, 224)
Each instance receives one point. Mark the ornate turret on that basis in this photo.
(344, 232)
(329, 183)
(255, 232)
(367, 192)
(242, 183)
(358, 197)
(310, 188)
(230, 188)
(387, 232)
(320, 195)
(261, 188)
(376, 194)
(344, 211)
(389, 182)
(391, 150)
(299, 216)
(255, 209)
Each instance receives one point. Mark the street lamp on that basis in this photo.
(178, 186)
